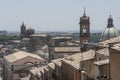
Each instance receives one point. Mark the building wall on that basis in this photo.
(96, 72)
(38, 42)
(69, 73)
(51, 53)
(46, 75)
(7, 72)
(25, 43)
(100, 57)
(101, 70)
(58, 72)
(50, 74)
(27, 60)
(114, 64)
(91, 70)
(105, 70)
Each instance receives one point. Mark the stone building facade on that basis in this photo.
(114, 62)
(69, 72)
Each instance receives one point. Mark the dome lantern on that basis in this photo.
(110, 22)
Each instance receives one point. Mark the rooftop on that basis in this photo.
(15, 41)
(39, 35)
(66, 49)
(112, 40)
(116, 47)
(110, 31)
(57, 61)
(37, 70)
(104, 51)
(26, 39)
(102, 62)
(20, 55)
(62, 37)
(46, 68)
(75, 59)
(52, 65)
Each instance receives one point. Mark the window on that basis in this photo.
(84, 30)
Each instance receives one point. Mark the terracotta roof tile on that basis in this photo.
(20, 55)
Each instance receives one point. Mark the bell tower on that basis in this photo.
(84, 29)
(23, 30)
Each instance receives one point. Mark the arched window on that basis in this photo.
(84, 30)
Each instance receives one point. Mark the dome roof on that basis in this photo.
(110, 31)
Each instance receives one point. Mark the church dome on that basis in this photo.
(110, 31)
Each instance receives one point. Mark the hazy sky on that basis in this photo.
(57, 15)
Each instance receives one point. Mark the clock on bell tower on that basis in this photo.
(84, 29)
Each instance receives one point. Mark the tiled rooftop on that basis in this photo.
(20, 55)
(39, 35)
(75, 59)
(116, 47)
(62, 37)
(102, 62)
(67, 49)
(57, 61)
(37, 70)
(52, 65)
(106, 42)
(15, 41)
(26, 39)
(46, 68)
(104, 51)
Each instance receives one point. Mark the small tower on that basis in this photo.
(23, 30)
(84, 29)
(29, 32)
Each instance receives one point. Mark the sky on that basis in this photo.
(57, 15)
